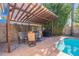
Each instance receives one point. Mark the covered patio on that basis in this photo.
(30, 14)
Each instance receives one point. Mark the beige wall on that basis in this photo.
(2, 32)
(14, 31)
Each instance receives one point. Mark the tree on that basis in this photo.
(62, 11)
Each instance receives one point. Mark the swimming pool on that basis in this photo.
(69, 46)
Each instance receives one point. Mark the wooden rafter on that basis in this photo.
(29, 16)
(48, 14)
(32, 12)
(24, 12)
(37, 17)
(38, 14)
(44, 14)
(13, 10)
(19, 10)
(29, 11)
(39, 21)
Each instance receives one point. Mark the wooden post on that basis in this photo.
(42, 29)
(8, 38)
(72, 19)
(8, 35)
(52, 29)
(29, 27)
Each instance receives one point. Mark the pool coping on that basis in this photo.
(61, 38)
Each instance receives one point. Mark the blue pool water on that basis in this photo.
(69, 46)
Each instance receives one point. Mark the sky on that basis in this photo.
(75, 6)
(3, 14)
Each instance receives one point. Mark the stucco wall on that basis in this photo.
(67, 29)
(14, 29)
(2, 32)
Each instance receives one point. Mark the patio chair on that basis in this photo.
(22, 37)
(38, 36)
(31, 38)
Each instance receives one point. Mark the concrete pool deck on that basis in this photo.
(43, 48)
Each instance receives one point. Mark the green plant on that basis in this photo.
(62, 11)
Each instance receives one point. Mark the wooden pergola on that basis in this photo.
(26, 13)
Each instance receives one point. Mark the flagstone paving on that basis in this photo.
(43, 48)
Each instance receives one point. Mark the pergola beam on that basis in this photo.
(19, 10)
(38, 14)
(32, 13)
(39, 17)
(13, 10)
(40, 20)
(29, 12)
(31, 16)
(24, 12)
